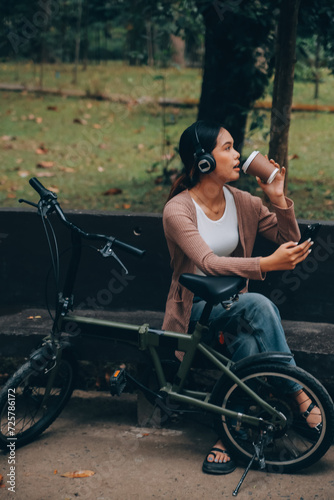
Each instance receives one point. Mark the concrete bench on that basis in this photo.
(304, 296)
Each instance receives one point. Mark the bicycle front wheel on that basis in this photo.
(29, 403)
(291, 448)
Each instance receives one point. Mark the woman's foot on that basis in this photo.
(218, 461)
(309, 422)
(308, 410)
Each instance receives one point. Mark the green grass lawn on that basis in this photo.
(111, 77)
(91, 147)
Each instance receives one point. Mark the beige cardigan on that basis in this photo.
(188, 250)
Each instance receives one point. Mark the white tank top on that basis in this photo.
(221, 235)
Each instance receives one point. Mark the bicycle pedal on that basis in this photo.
(117, 382)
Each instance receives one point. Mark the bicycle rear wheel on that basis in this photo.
(293, 447)
(25, 412)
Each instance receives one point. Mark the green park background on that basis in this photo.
(103, 140)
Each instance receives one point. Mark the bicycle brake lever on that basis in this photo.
(46, 207)
(107, 251)
(21, 200)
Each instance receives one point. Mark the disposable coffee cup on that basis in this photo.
(257, 165)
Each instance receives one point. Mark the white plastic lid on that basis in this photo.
(272, 176)
(249, 160)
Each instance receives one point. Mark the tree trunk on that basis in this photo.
(85, 15)
(149, 41)
(77, 43)
(232, 79)
(283, 83)
(43, 51)
(317, 67)
(178, 48)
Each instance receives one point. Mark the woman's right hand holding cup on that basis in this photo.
(286, 257)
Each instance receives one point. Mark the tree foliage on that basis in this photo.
(238, 37)
(139, 30)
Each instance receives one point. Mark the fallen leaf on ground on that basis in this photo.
(293, 157)
(78, 473)
(45, 174)
(39, 119)
(68, 170)
(41, 150)
(97, 126)
(52, 108)
(8, 138)
(126, 206)
(23, 173)
(112, 191)
(45, 164)
(81, 121)
(1, 482)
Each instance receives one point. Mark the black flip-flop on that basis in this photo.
(216, 467)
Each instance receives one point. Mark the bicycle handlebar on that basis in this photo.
(47, 195)
(41, 190)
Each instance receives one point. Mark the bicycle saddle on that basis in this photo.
(213, 289)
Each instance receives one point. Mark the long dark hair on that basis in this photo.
(207, 132)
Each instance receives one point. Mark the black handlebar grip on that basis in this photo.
(41, 190)
(129, 248)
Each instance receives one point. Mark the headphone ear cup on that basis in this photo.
(206, 163)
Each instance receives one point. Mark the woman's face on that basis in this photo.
(227, 158)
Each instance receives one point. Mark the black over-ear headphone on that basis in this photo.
(204, 161)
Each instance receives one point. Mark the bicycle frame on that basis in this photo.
(146, 338)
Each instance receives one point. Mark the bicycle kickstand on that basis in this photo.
(258, 453)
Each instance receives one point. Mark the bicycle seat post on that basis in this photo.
(204, 319)
(184, 368)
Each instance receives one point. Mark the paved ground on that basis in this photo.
(99, 433)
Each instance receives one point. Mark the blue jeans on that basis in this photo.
(252, 325)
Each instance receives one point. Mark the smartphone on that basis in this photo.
(310, 231)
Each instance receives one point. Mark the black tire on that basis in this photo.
(21, 399)
(292, 448)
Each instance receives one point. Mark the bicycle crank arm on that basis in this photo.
(152, 396)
